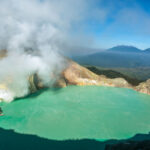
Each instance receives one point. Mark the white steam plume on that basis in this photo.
(33, 32)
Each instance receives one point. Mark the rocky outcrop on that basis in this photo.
(75, 74)
(143, 87)
(129, 145)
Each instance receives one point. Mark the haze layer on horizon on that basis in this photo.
(121, 23)
(97, 24)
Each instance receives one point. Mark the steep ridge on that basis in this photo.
(78, 75)
(75, 74)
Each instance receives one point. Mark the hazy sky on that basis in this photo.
(75, 23)
(120, 22)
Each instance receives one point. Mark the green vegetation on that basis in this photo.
(114, 74)
(142, 73)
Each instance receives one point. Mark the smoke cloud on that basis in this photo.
(34, 32)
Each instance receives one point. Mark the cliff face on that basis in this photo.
(143, 87)
(74, 74)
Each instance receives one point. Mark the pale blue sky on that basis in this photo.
(120, 22)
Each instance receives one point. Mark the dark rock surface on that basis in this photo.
(10, 140)
(129, 145)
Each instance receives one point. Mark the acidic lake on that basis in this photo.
(76, 112)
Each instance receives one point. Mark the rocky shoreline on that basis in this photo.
(75, 74)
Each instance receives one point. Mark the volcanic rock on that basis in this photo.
(143, 87)
(75, 74)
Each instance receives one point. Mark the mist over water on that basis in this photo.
(16, 70)
(80, 112)
(35, 33)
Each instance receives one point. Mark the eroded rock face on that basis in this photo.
(75, 74)
(143, 87)
(129, 145)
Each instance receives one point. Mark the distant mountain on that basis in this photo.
(119, 56)
(123, 48)
(147, 50)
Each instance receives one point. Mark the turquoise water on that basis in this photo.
(80, 112)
